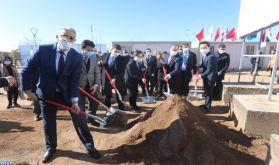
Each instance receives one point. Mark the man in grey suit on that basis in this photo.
(90, 77)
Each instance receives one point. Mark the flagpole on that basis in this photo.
(241, 59)
(257, 60)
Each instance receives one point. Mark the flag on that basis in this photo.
(268, 35)
(277, 36)
(252, 36)
(209, 36)
(263, 36)
(217, 34)
(200, 35)
(223, 36)
(232, 34)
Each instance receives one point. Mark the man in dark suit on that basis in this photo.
(151, 65)
(133, 79)
(5, 81)
(223, 63)
(174, 72)
(188, 67)
(114, 63)
(89, 78)
(209, 73)
(60, 68)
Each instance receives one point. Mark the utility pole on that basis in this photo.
(34, 33)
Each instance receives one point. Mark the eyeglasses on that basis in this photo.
(68, 37)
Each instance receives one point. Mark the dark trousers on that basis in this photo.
(12, 94)
(162, 87)
(150, 81)
(49, 122)
(133, 90)
(185, 83)
(218, 89)
(36, 108)
(108, 96)
(92, 104)
(208, 91)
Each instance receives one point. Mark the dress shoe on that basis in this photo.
(47, 156)
(36, 117)
(9, 106)
(16, 105)
(136, 109)
(94, 153)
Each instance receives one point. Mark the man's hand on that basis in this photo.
(143, 69)
(153, 75)
(94, 88)
(113, 82)
(100, 63)
(143, 80)
(197, 78)
(167, 77)
(76, 107)
(219, 73)
(31, 96)
(11, 80)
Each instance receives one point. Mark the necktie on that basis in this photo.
(111, 61)
(170, 59)
(61, 63)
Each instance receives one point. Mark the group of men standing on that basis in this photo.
(62, 70)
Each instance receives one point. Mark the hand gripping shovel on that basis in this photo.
(110, 111)
(116, 90)
(96, 118)
(195, 95)
(167, 94)
(147, 99)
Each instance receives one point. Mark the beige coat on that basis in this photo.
(271, 62)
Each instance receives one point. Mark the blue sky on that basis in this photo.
(113, 20)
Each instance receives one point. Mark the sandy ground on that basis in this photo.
(22, 139)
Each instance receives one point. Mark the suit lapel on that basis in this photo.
(68, 60)
(52, 58)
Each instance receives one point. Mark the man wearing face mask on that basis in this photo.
(114, 63)
(60, 69)
(89, 78)
(150, 62)
(133, 79)
(223, 63)
(126, 57)
(209, 73)
(188, 67)
(174, 72)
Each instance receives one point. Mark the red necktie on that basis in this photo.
(61, 63)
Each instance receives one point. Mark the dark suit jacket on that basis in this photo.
(174, 69)
(151, 65)
(49, 80)
(3, 82)
(133, 74)
(209, 67)
(117, 72)
(223, 63)
(191, 66)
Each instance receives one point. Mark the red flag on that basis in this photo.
(277, 37)
(200, 35)
(232, 34)
(263, 36)
(217, 34)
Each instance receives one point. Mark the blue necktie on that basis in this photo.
(111, 61)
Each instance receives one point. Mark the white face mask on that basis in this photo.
(173, 52)
(185, 50)
(148, 53)
(137, 59)
(7, 62)
(204, 51)
(221, 51)
(64, 45)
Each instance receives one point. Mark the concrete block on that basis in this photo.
(229, 89)
(256, 116)
(273, 150)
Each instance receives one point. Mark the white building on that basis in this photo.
(233, 48)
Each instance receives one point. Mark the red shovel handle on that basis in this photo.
(108, 76)
(144, 77)
(87, 94)
(64, 107)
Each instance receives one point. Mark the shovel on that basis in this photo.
(96, 118)
(110, 111)
(167, 94)
(116, 90)
(147, 99)
(195, 95)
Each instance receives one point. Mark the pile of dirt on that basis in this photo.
(177, 133)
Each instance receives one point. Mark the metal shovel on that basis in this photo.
(110, 111)
(168, 93)
(147, 99)
(195, 95)
(96, 118)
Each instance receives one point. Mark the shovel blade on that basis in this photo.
(148, 99)
(167, 94)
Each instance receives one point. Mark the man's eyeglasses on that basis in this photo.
(68, 37)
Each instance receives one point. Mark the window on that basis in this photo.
(250, 50)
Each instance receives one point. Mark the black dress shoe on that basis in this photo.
(16, 105)
(136, 109)
(47, 156)
(94, 153)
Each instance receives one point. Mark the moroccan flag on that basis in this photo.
(217, 34)
(232, 34)
(200, 35)
(263, 36)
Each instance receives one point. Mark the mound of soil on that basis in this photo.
(177, 133)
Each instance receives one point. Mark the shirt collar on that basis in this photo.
(65, 52)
